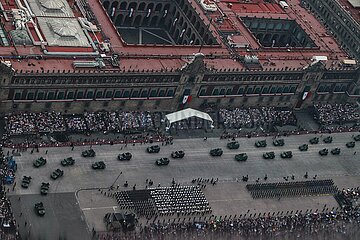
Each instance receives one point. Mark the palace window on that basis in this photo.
(70, 95)
(61, 95)
(40, 96)
(153, 93)
(170, 93)
(126, 94)
(51, 96)
(108, 94)
(117, 94)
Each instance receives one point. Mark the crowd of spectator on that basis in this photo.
(75, 123)
(49, 122)
(30, 123)
(8, 229)
(327, 114)
(256, 117)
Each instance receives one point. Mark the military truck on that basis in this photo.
(303, 147)
(242, 157)
(357, 138)
(278, 142)
(39, 209)
(39, 162)
(335, 151)
(153, 149)
(216, 152)
(260, 143)
(350, 144)
(314, 140)
(44, 188)
(162, 161)
(57, 173)
(328, 139)
(286, 154)
(178, 154)
(88, 153)
(26, 181)
(233, 145)
(98, 165)
(125, 156)
(269, 155)
(68, 161)
(324, 152)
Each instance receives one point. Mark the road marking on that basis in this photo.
(94, 208)
(227, 200)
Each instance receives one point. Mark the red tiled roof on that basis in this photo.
(257, 8)
(160, 57)
(354, 12)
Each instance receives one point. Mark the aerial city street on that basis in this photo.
(179, 119)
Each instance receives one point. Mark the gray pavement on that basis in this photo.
(228, 196)
(63, 218)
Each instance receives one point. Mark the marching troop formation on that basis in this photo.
(164, 201)
(292, 189)
(180, 200)
(139, 201)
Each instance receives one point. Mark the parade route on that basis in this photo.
(228, 196)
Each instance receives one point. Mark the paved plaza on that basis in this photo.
(228, 196)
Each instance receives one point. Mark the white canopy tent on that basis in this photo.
(185, 114)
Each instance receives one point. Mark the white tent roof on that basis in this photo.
(187, 113)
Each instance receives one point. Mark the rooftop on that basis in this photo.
(50, 8)
(354, 3)
(352, 7)
(51, 35)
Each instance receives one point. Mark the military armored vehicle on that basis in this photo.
(178, 154)
(68, 161)
(269, 155)
(324, 152)
(216, 152)
(328, 139)
(88, 153)
(26, 181)
(314, 140)
(286, 154)
(125, 156)
(153, 149)
(162, 161)
(278, 142)
(57, 173)
(39, 209)
(335, 151)
(260, 143)
(39, 162)
(44, 188)
(303, 147)
(98, 165)
(357, 138)
(350, 144)
(242, 157)
(233, 145)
